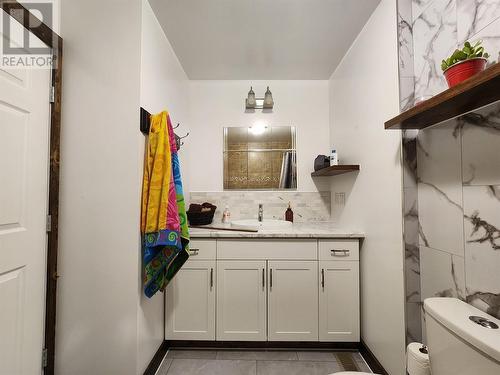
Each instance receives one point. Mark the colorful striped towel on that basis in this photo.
(163, 215)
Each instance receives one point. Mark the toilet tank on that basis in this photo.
(457, 345)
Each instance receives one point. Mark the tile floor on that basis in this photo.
(255, 362)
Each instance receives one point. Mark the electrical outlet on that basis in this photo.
(340, 199)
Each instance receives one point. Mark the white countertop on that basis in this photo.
(299, 230)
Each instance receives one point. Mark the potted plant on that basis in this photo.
(464, 63)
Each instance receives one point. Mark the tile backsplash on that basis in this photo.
(306, 206)
(452, 171)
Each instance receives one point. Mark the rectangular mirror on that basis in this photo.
(260, 157)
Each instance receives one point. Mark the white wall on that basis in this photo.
(101, 168)
(218, 104)
(164, 85)
(103, 327)
(363, 94)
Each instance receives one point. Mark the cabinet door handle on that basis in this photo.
(271, 278)
(263, 278)
(341, 252)
(323, 278)
(211, 278)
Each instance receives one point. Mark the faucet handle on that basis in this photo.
(261, 206)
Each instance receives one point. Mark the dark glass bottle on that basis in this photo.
(289, 213)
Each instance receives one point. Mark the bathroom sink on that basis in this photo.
(264, 225)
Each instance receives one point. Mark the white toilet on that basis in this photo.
(462, 339)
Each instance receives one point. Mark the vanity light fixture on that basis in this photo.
(268, 99)
(250, 102)
(267, 102)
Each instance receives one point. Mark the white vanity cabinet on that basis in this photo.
(190, 296)
(241, 300)
(262, 287)
(293, 300)
(339, 291)
(266, 290)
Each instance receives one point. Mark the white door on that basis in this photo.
(339, 301)
(24, 137)
(293, 300)
(190, 302)
(241, 300)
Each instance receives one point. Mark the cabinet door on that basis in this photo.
(339, 301)
(190, 302)
(293, 301)
(241, 300)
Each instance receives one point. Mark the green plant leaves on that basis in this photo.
(467, 52)
(460, 55)
(444, 65)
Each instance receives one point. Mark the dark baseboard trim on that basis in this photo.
(370, 358)
(155, 363)
(184, 344)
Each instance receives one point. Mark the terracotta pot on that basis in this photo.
(463, 70)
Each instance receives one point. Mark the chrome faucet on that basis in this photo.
(261, 212)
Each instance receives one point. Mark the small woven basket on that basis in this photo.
(201, 214)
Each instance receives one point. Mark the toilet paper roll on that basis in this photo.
(417, 363)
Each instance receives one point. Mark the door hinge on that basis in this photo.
(52, 94)
(44, 358)
(49, 223)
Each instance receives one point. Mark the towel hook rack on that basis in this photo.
(145, 123)
(178, 140)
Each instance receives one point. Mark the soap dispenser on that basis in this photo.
(226, 216)
(289, 213)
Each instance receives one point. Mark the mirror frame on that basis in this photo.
(294, 148)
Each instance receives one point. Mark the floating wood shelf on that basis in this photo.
(476, 92)
(335, 170)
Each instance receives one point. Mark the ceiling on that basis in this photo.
(257, 39)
